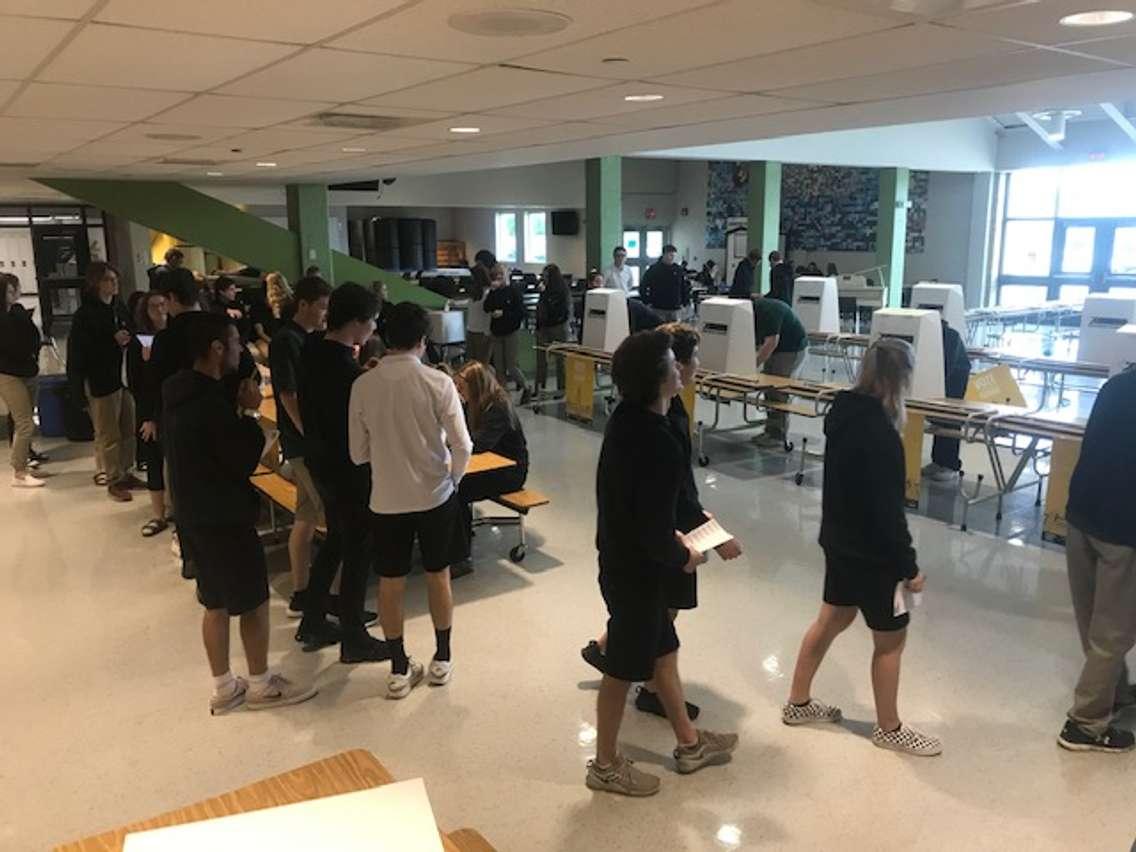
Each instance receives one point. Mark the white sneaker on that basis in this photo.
(399, 685)
(907, 740)
(28, 481)
(440, 672)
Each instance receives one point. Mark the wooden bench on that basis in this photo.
(279, 492)
(521, 502)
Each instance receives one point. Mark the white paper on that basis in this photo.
(708, 536)
(391, 818)
(904, 600)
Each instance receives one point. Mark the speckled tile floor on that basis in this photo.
(106, 720)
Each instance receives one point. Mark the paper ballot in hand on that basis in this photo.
(905, 600)
(708, 536)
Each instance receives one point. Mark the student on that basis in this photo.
(100, 331)
(173, 259)
(945, 460)
(745, 276)
(269, 312)
(867, 547)
(379, 288)
(618, 276)
(477, 340)
(313, 271)
(311, 298)
(682, 587)
(402, 416)
(506, 309)
(494, 428)
(782, 346)
(1100, 553)
(150, 318)
(553, 310)
(327, 372)
(19, 366)
(638, 483)
(213, 451)
(225, 300)
(664, 286)
(708, 276)
(780, 279)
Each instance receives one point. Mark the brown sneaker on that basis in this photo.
(278, 692)
(710, 750)
(119, 493)
(132, 482)
(622, 778)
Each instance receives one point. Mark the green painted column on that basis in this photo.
(603, 182)
(764, 206)
(891, 231)
(307, 219)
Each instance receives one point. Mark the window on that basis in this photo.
(1033, 194)
(654, 244)
(631, 243)
(505, 233)
(1097, 191)
(536, 237)
(1077, 258)
(1074, 292)
(1027, 247)
(1123, 251)
(1021, 295)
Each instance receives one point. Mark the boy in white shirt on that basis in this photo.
(401, 418)
(618, 275)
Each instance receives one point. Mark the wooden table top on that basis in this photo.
(484, 462)
(268, 410)
(346, 772)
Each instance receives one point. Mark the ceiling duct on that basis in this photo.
(186, 161)
(362, 121)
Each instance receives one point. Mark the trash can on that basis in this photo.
(51, 402)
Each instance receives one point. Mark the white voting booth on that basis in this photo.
(1101, 318)
(447, 327)
(924, 332)
(1124, 357)
(817, 302)
(727, 336)
(605, 319)
(947, 299)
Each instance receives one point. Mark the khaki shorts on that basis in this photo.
(309, 506)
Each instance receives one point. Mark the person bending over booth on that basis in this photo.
(638, 484)
(782, 346)
(212, 451)
(945, 460)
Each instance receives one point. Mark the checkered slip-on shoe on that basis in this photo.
(807, 714)
(907, 740)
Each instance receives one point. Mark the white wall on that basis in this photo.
(1085, 141)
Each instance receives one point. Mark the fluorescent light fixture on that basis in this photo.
(215, 174)
(353, 150)
(465, 130)
(642, 99)
(1102, 18)
(266, 165)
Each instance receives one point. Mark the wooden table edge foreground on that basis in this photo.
(346, 772)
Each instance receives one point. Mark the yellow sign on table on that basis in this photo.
(580, 376)
(1061, 465)
(995, 385)
(912, 459)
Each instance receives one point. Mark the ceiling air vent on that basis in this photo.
(362, 121)
(18, 165)
(186, 161)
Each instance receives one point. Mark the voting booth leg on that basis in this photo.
(913, 459)
(580, 374)
(1061, 463)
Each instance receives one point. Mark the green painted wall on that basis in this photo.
(202, 220)
(603, 185)
(891, 233)
(308, 220)
(764, 226)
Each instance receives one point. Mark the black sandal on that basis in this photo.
(101, 479)
(154, 526)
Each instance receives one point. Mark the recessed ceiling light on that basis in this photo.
(642, 99)
(266, 165)
(1103, 18)
(354, 150)
(465, 130)
(215, 174)
(509, 23)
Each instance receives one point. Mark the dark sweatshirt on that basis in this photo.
(94, 357)
(327, 371)
(688, 512)
(212, 451)
(553, 306)
(1101, 502)
(19, 343)
(638, 482)
(509, 300)
(664, 287)
(499, 431)
(862, 513)
(956, 363)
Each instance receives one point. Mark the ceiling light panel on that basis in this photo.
(421, 29)
(234, 112)
(26, 42)
(1040, 23)
(123, 56)
(49, 100)
(268, 20)
(322, 74)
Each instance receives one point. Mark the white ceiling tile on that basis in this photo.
(321, 74)
(108, 55)
(90, 160)
(608, 101)
(730, 30)
(193, 134)
(71, 10)
(1116, 49)
(26, 42)
(269, 20)
(258, 142)
(378, 143)
(978, 73)
(53, 135)
(228, 111)
(699, 112)
(1039, 23)
(422, 29)
(906, 47)
(49, 100)
(489, 125)
(566, 132)
(137, 140)
(7, 89)
(362, 108)
(487, 88)
(10, 153)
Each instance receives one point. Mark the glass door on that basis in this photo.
(644, 246)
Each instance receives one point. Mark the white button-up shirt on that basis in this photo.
(401, 416)
(619, 278)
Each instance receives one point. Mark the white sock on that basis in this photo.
(224, 684)
(258, 683)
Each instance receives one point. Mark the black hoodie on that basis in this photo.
(862, 517)
(212, 452)
(19, 343)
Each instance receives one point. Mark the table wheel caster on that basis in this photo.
(517, 554)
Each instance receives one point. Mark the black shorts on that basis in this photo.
(864, 586)
(440, 533)
(231, 571)
(682, 590)
(640, 630)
